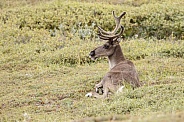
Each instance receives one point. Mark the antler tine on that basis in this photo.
(103, 38)
(117, 21)
(103, 31)
(106, 37)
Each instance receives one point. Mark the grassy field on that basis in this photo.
(45, 70)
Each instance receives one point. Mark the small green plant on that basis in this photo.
(45, 70)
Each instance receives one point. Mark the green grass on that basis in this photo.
(44, 75)
(56, 92)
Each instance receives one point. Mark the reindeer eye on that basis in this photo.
(106, 46)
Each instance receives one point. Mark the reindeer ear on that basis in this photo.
(120, 39)
(116, 41)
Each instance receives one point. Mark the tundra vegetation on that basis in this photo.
(45, 70)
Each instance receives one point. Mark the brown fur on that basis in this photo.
(121, 70)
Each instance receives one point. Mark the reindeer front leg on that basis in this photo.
(105, 89)
(97, 95)
(99, 86)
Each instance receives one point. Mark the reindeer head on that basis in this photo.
(112, 38)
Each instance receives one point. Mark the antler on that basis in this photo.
(117, 21)
(107, 37)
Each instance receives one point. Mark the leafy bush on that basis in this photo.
(174, 52)
(149, 20)
(65, 32)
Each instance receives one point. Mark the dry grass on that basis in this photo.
(42, 80)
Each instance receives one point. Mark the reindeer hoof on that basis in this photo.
(89, 94)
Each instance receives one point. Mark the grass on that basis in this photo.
(56, 92)
(43, 79)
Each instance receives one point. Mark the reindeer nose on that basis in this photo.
(92, 53)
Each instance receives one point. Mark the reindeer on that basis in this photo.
(121, 70)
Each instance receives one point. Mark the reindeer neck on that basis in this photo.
(116, 57)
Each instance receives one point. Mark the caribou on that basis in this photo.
(122, 71)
